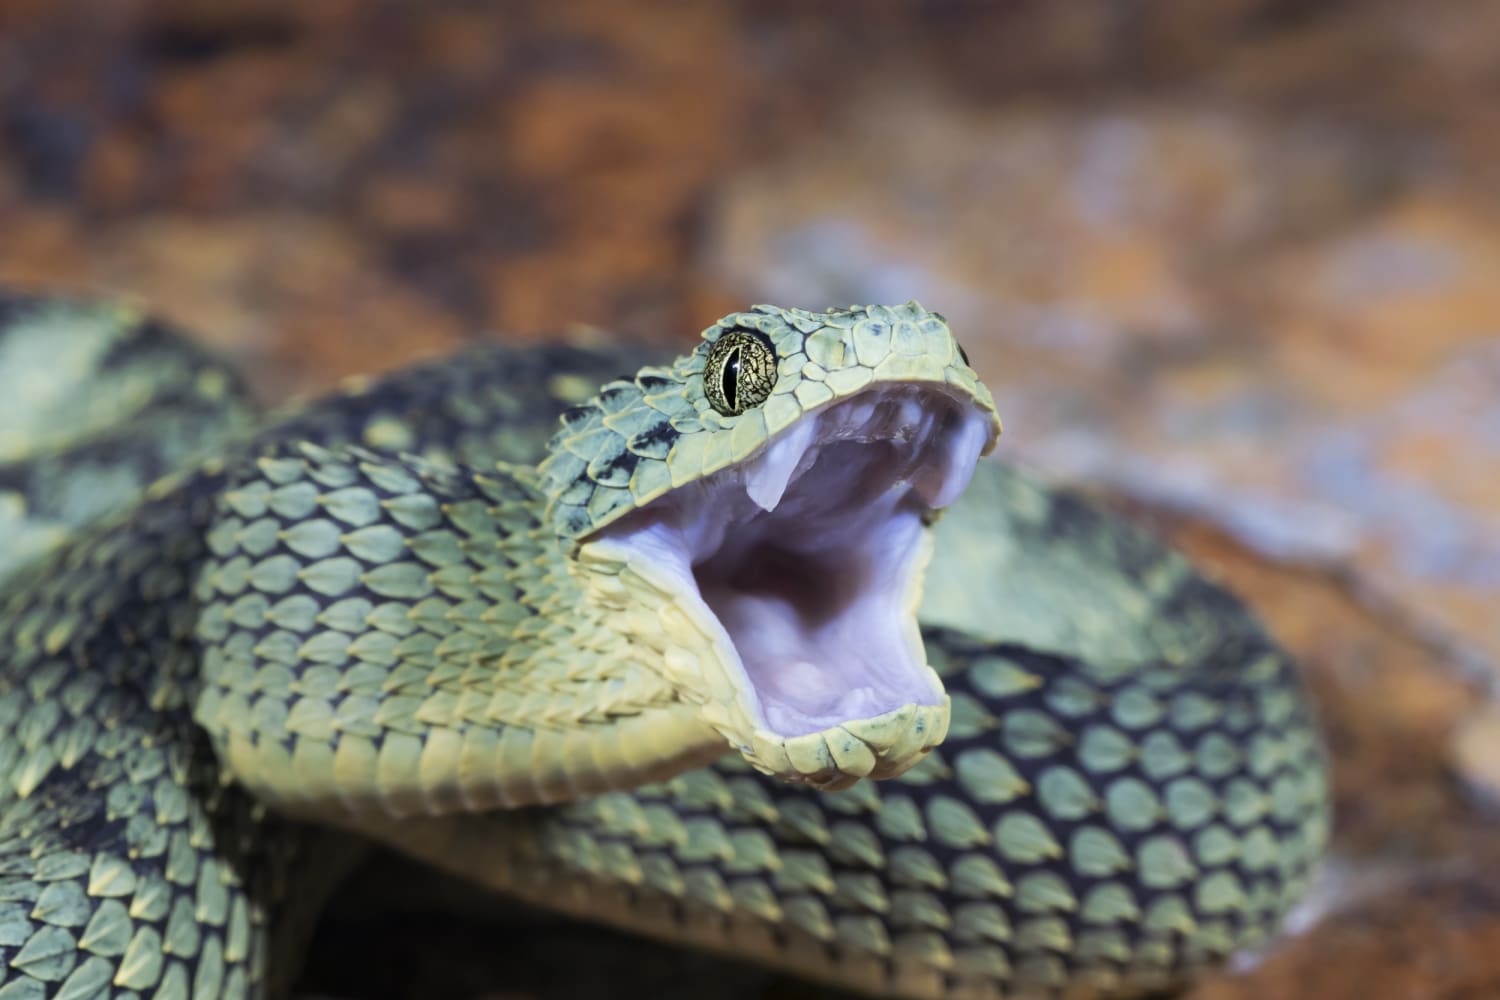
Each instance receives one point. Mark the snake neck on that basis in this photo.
(387, 637)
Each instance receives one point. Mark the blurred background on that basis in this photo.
(1232, 265)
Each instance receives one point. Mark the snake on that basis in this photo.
(750, 651)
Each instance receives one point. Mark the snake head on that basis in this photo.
(759, 512)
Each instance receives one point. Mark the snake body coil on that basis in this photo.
(1130, 788)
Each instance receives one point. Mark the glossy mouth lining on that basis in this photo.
(809, 555)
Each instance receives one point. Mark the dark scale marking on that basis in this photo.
(625, 462)
(624, 391)
(653, 383)
(662, 432)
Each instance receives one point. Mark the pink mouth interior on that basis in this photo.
(814, 593)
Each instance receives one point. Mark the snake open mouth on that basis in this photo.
(803, 566)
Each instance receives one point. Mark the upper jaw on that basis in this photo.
(800, 571)
(938, 439)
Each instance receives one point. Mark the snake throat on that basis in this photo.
(803, 567)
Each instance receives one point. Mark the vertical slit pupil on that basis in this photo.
(729, 379)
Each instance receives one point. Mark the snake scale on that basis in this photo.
(400, 612)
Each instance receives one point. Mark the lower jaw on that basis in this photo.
(699, 660)
(655, 573)
(879, 747)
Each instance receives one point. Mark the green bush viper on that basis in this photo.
(413, 612)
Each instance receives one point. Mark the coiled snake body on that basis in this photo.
(379, 614)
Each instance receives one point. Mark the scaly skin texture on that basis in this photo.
(96, 403)
(1114, 812)
(381, 636)
(1126, 795)
(1079, 828)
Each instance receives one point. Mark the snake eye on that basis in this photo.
(740, 373)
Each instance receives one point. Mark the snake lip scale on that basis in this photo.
(806, 560)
